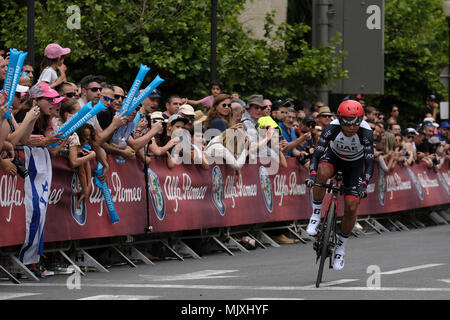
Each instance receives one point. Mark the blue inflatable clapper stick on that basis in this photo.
(75, 118)
(106, 193)
(135, 87)
(12, 76)
(149, 89)
(13, 58)
(96, 109)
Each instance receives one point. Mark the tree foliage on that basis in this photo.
(173, 38)
(416, 47)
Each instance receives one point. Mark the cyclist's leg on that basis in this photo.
(352, 177)
(325, 171)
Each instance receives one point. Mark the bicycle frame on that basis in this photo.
(327, 237)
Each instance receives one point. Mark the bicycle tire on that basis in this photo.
(326, 240)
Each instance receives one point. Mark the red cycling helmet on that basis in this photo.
(350, 112)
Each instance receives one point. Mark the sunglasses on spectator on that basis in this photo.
(108, 99)
(118, 96)
(311, 125)
(95, 89)
(325, 116)
(226, 105)
(50, 100)
(70, 94)
(410, 137)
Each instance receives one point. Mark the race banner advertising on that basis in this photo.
(188, 197)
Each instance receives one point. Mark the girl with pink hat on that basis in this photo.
(52, 62)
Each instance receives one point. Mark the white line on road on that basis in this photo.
(119, 297)
(335, 282)
(198, 275)
(6, 295)
(445, 280)
(230, 287)
(264, 298)
(424, 266)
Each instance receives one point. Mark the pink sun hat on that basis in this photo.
(43, 90)
(54, 51)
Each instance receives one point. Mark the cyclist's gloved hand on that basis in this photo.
(311, 180)
(363, 190)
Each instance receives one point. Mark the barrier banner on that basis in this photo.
(188, 197)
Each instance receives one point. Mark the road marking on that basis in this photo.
(333, 283)
(424, 266)
(230, 287)
(119, 297)
(198, 275)
(445, 280)
(264, 298)
(6, 295)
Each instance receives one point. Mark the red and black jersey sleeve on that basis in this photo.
(329, 133)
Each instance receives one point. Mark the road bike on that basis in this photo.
(326, 237)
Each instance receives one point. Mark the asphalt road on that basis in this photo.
(406, 265)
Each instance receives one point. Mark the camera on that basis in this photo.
(21, 170)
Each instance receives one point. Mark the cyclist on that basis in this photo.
(346, 145)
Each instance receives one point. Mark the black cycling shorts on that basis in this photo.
(352, 171)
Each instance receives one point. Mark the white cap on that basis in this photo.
(22, 89)
(187, 110)
(430, 119)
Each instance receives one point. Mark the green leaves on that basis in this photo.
(173, 38)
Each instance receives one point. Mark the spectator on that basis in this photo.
(3, 70)
(306, 141)
(250, 118)
(186, 111)
(161, 142)
(28, 70)
(319, 104)
(198, 144)
(393, 119)
(268, 109)
(80, 158)
(288, 131)
(52, 62)
(394, 128)
(176, 131)
(219, 115)
(443, 130)
(371, 113)
(231, 147)
(68, 90)
(431, 107)
(426, 147)
(207, 102)
(237, 110)
(324, 117)
(172, 105)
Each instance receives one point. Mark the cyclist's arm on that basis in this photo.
(327, 135)
(367, 140)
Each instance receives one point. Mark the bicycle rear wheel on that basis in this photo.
(328, 227)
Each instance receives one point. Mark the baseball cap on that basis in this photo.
(187, 110)
(256, 99)
(157, 115)
(176, 117)
(155, 94)
(54, 51)
(411, 130)
(428, 120)
(43, 90)
(307, 119)
(431, 97)
(445, 124)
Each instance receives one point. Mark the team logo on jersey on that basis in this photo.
(266, 187)
(416, 183)
(156, 194)
(443, 182)
(381, 187)
(78, 213)
(217, 190)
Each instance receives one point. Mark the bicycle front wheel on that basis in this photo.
(327, 229)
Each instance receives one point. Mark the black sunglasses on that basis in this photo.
(118, 96)
(224, 105)
(95, 89)
(70, 94)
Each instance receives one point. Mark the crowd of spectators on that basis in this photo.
(222, 128)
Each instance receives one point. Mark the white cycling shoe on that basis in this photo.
(338, 260)
(313, 226)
